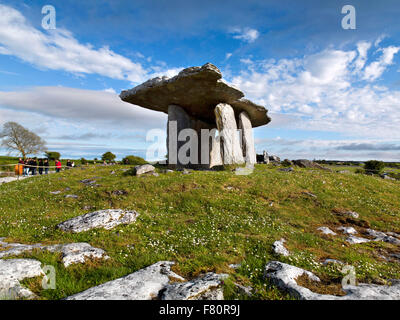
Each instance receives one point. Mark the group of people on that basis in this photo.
(30, 166)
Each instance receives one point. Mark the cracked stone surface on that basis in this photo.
(279, 248)
(106, 219)
(284, 276)
(197, 289)
(329, 261)
(71, 253)
(12, 271)
(144, 284)
(326, 230)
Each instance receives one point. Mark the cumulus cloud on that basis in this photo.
(326, 90)
(245, 34)
(59, 50)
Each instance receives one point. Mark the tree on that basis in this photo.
(52, 155)
(374, 166)
(108, 156)
(17, 138)
(133, 160)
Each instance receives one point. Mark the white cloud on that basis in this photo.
(375, 69)
(59, 50)
(326, 92)
(90, 108)
(245, 34)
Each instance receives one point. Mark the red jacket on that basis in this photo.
(58, 164)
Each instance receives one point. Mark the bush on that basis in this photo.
(374, 167)
(133, 160)
(84, 161)
(360, 171)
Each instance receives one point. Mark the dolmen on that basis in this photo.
(210, 123)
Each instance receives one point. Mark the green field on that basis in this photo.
(205, 221)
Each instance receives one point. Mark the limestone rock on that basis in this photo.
(79, 252)
(326, 230)
(249, 151)
(106, 219)
(195, 289)
(144, 284)
(355, 240)
(279, 248)
(304, 163)
(71, 253)
(197, 90)
(226, 123)
(284, 276)
(333, 261)
(347, 230)
(14, 270)
(145, 168)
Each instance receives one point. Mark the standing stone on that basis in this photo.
(178, 120)
(226, 123)
(266, 157)
(215, 150)
(249, 152)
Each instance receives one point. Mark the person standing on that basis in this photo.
(26, 168)
(58, 165)
(46, 166)
(34, 166)
(40, 166)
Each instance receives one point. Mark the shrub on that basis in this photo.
(359, 171)
(84, 161)
(374, 167)
(133, 160)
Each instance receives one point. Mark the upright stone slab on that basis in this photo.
(266, 157)
(215, 150)
(226, 123)
(249, 152)
(178, 120)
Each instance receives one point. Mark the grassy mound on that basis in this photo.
(205, 221)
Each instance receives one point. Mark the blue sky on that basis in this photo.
(331, 93)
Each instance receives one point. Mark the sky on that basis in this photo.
(332, 93)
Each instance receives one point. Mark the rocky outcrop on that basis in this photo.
(71, 253)
(144, 284)
(12, 271)
(284, 276)
(106, 219)
(201, 288)
(304, 163)
(156, 282)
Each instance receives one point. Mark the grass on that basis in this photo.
(205, 221)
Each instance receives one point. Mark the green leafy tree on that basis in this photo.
(17, 138)
(108, 156)
(83, 161)
(374, 166)
(52, 155)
